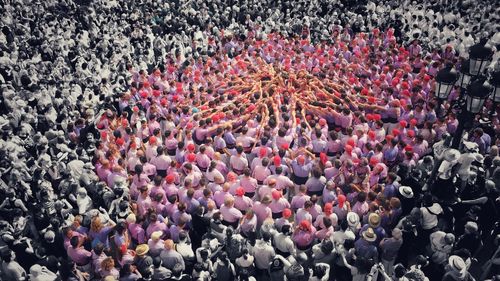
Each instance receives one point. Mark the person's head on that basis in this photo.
(74, 241)
(7, 255)
(169, 244)
(399, 270)
(107, 264)
(98, 248)
(266, 236)
(319, 271)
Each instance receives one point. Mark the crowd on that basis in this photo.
(244, 140)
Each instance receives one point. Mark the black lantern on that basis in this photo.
(477, 92)
(480, 56)
(464, 78)
(445, 79)
(495, 82)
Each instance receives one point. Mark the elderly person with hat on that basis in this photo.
(156, 244)
(374, 222)
(143, 261)
(366, 251)
(41, 273)
(456, 270)
(389, 248)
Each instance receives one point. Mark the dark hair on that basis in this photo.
(74, 241)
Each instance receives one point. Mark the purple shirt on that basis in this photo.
(137, 232)
(304, 238)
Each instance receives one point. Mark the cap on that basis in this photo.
(170, 178)
(287, 213)
(276, 194)
(240, 191)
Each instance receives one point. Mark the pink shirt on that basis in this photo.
(143, 204)
(324, 233)
(79, 255)
(361, 208)
(299, 200)
(304, 238)
(161, 162)
(262, 212)
(260, 173)
(219, 197)
(303, 214)
(249, 184)
(242, 203)
(230, 214)
(277, 206)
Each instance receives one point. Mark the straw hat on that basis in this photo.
(456, 263)
(406, 191)
(352, 219)
(155, 236)
(369, 235)
(374, 220)
(142, 249)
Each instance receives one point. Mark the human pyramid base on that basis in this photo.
(220, 141)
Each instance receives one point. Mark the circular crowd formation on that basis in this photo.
(278, 140)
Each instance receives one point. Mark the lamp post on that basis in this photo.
(445, 80)
(465, 76)
(477, 92)
(495, 97)
(480, 57)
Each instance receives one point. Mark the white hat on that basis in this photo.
(457, 263)
(406, 191)
(352, 219)
(469, 145)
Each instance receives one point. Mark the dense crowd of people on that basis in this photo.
(244, 140)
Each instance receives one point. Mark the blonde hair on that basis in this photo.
(96, 224)
(228, 201)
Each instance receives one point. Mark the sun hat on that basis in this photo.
(155, 236)
(352, 219)
(456, 263)
(406, 191)
(369, 235)
(374, 220)
(142, 249)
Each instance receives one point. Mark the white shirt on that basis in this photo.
(429, 220)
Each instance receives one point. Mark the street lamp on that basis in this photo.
(480, 57)
(477, 92)
(495, 82)
(445, 80)
(465, 77)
